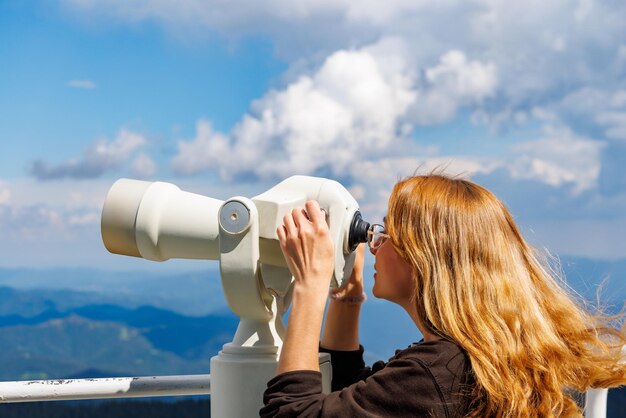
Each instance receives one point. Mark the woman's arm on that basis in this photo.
(341, 328)
(308, 249)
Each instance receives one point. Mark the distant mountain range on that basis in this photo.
(104, 340)
(77, 323)
(190, 293)
(200, 292)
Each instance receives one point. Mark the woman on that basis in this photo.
(502, 335)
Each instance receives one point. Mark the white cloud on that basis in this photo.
(202, 152)
(351, 106)
(230, 16)
(597, 107)
(84, 219)
(362, 73)
(375, 178)
(512, 55)
(501, 58)
(143, 166)
(561, 157)
(615, 123)
(102, 156)
(82, 84)
(453, 82)
(54, 211)
(5, 193)
(28, 221)
(467, 80)
(354, 106)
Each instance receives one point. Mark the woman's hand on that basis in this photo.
(353, 288)
(308, 249)
(341, 329)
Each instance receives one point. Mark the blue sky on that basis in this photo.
(227, 99)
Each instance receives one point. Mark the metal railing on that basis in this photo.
(135, 387)
(104, 388)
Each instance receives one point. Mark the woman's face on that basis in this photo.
(393, 277)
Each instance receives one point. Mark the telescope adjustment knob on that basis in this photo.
(234, 217)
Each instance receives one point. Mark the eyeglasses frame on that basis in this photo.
(371, 235)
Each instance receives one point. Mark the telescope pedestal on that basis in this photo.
(239, 376)
(238, 380)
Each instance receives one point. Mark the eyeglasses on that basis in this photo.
(376, 236)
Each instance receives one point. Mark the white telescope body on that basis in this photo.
(158, 221)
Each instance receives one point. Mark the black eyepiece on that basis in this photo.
(358, 231)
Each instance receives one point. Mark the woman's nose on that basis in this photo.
(373, 250)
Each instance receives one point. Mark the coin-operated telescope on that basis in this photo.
(158, 221)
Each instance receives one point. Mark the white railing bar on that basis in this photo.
(102, 388)
(596, 399)
(595, 403)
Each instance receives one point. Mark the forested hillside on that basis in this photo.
(186, 408)
(106, 340)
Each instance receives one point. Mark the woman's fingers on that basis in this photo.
(307, 220)
(291, 229)
(282, 235)
(300, 218)
(306, 243)
(316, 215)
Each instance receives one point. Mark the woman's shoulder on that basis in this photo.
(440, 352)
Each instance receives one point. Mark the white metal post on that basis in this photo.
(595, 403)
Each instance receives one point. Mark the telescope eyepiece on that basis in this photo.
(358, 231)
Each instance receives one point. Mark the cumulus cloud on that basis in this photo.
(595, 108)
(357, 105)
(355, 114)
(55, 211)
(25, 221)
(5, 193)
(82, 84)
(558, 163)
(100, 157)
(143, 166)
(203, 152)
(560, 157)
(51, 207)
(232, 16)
(614, 122)
(487, 58)
(454, 81)
(364, 74)
(5, 196)
(33, 224)
(377, 177)
(350, 107)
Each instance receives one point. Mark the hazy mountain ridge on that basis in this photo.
(143, 322)
(200, 292)
(189, 293)
(114, 340)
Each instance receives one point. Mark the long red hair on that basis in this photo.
(530, 340)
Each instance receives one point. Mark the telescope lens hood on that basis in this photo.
(358, 231)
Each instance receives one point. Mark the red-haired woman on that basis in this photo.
(502, 334)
